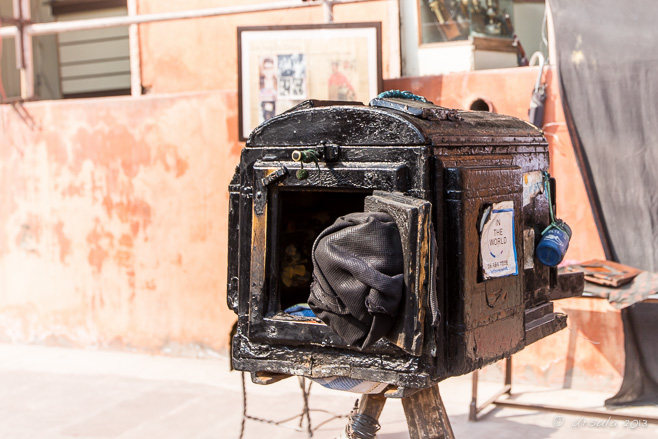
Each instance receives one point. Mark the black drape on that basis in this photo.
(607, 62)
(358, 276)
(607, 65)
(640, 385)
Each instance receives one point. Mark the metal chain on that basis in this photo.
(244, 407)
(306, 411)
(245, 416)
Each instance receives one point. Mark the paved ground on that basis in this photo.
(54, 393)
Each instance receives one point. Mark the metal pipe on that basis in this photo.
(135, 61)
(106, 22)
(508, 375)
(473, 408)
(17, 7)
(27, 74)
(23, 32)
(394, 40)
(492, 400)
(24, 58)
(607, 414)
(328, 10)
(9, 32)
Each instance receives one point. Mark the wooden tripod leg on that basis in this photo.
(426, 415)
(370, 406)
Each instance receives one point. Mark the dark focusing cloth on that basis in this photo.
(358, 280)
(609, 92)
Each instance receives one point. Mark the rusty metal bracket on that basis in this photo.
(475, 409)
(331, 152)
(274, 176)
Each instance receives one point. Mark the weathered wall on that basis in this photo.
(113, 221)
(201, 54)
(590, 352)
(113, 211)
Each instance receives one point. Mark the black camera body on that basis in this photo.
(468, 194)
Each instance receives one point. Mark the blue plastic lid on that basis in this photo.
(553, 246)
(548, 253)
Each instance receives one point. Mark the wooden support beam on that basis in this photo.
(426, 415)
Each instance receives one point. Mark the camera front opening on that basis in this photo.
(299, 218)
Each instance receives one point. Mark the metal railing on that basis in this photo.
(22, 29)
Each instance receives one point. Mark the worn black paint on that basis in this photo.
(458, 161)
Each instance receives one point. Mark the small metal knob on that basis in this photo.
(308, 156)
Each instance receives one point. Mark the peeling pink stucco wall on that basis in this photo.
(113, 211)
(201, 54)
(113, 221)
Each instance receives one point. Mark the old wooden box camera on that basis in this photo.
(463, 187)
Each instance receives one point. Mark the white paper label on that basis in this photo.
(533, 185)
(497, 246)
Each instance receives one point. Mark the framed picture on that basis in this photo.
(281, 66)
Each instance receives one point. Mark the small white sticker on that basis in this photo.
(497, 246)
(533, 185)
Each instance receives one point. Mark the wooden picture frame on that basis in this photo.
(281, 66)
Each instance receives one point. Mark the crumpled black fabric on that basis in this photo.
(640, 383)
(358, 277)
(609, 93)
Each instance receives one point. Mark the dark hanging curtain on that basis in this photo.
(608, 66)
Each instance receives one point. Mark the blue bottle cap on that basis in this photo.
(553, 245)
